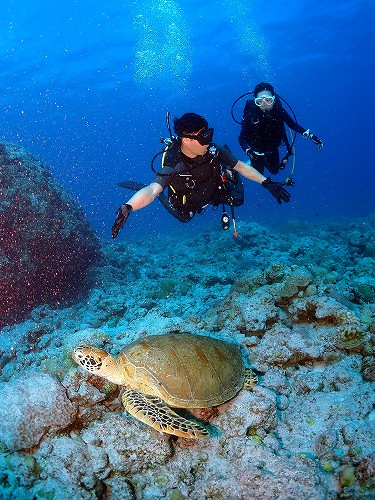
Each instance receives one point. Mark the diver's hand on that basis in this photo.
(319, 144)
(277, 190)
(314, 138)
(122, 216)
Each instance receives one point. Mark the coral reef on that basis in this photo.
(46, 243)
(292, 300)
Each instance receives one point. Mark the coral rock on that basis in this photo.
(32, 405)
(46, 242)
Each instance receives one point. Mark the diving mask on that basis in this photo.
(204, 136)
(264, 101)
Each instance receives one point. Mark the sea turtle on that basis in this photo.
(183, 370)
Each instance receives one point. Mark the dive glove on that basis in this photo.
(314, 138)
(122, 216)
(277, 190)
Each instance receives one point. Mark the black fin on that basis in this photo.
(133, 185)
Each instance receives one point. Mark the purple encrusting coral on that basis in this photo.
(301, 303)
(46, 243)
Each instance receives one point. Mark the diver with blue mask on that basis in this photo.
(196, 173)
(263, 130)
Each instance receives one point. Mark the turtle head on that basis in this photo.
(94, 360)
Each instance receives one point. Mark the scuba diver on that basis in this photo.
(263, 130)
(197, 173)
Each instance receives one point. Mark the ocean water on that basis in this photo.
(85, 86)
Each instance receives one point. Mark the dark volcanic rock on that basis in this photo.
(46, 243)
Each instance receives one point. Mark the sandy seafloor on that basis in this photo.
(299, 299)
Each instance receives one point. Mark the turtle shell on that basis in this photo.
(186, 371)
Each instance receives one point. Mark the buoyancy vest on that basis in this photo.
(264, 132)
(196, 182)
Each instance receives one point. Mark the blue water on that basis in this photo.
(85, 87)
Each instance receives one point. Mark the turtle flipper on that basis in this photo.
(250, 379)
(154, 412)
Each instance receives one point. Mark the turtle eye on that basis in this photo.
(91, 364)
(90, 358)
(88, 362)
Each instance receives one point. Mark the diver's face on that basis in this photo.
(265, 100)
(192, 148)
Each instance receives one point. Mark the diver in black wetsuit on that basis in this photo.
(193, 171)
(263, 130)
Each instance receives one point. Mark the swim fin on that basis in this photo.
(132, 185)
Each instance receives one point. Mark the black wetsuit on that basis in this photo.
(194, 183)
(263, 132)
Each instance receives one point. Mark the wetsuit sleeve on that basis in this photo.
(226, 157)
(164, 176)
(290, 122)
(166, 171)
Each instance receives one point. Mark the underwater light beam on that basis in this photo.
(164, 43)
(250, 39)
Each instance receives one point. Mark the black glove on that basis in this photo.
(122, 216)
(314, 138)
(317, 141)
(277, 190)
